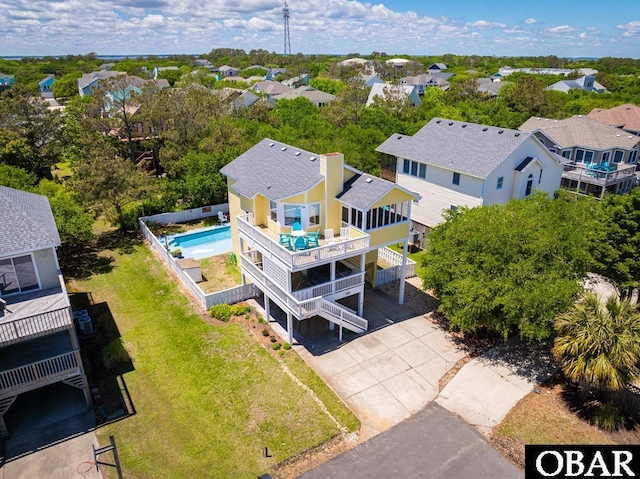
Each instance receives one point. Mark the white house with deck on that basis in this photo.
(38, 342)
(309, 231)
(452, 164)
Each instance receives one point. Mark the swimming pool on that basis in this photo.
(202, 243)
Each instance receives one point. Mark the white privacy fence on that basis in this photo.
(393, 273)
(187, 215)
(204, 300)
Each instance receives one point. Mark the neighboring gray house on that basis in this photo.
(270, 88)
(586, 83)
(394, 92)
(599, 158)
(424, 80)
(203, 63)
(227, 71)
(452, 164)
(238, 98)
(89, 81)
(317, 97)
(438, 67)
(38, 342)
(297, 81)
(489, 86)
(371, 80)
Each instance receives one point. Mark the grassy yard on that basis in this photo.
(219, 273)
(208, 398)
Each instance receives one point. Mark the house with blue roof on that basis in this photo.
(46, 84)
(6, 81)
(38, 343)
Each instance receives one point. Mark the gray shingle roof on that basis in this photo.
(27, 222)
(363, 190)
(464, 147)
(273, 172)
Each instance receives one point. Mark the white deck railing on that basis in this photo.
(22, 377)
(332, 287)
(297, 260)
(35, 326)
(395, 258)
(304, 309)
(229, 296)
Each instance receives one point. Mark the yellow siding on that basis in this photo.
(347, 174)
(333, 186)
(394, 196)
(296, 200)
(246, 203)
(316, 193)
(261, 205)
(389, 234)
(234, 211)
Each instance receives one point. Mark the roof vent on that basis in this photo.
(464, 126)
(270, 144)
(500, 132)
(313, 158)
(283, 148)
(579, 116)
(618, 135)
(630, 137)
(517, 134)
(438, 121)
(399, 137)
(628, 108)
(368, 180)
(485, 129)
(297, 153)
(450, 123)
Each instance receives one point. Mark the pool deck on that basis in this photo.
(204, 250)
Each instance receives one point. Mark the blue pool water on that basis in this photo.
(202, 243)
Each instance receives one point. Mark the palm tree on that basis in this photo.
(599, 345)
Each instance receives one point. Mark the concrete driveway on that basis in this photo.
(388, 375)
(432, 444)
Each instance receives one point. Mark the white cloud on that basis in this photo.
(485, 25)
(530, 21)
(561, 30)
(514, 30)
(631, 29)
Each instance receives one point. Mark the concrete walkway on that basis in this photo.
(488, 387)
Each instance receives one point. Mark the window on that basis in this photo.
(423, 171)
(273, 210)
(17, 275)
(588, 156)
(414, 168)
(617, 156)
(314, 214)
(540, 178)
(456, 178)
(529, 186)
(605, 157)
(633, 157)
(453, 208)
(579, 156)
(566, 154)
(500, 182)
(292, 214)
(406, 166)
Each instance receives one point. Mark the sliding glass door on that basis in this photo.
(17, 275)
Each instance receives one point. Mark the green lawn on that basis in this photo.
(208, 398)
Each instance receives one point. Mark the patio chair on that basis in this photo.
(312, 239)
(300, 243)
(296, 227)
(222, 218)
(344, 233)
(284, 240)
(328, 236)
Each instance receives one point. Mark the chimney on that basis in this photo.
(332, 168)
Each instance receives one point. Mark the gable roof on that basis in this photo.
(270, 87)
(273, 170)
(89, 78)
(397, 92)
(438, 66)
(578, 83)
(625, 116)
(364, 190)
(27, 222)
(308, 92)
(468, 148)
(48, 79)
(581, 131)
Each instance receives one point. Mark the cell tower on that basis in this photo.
(287, 38)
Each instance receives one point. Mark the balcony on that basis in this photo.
(357, 242)
(595, 176)
(36, 314)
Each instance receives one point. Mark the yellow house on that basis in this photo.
(307, 228)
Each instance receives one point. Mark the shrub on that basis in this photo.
(260, 319)
(176, 252)
(224, 311)
(114, 354)
(609, 418)
(276, 346)
(233, 259)
(286, 346)
(281, 352)
(265, 332)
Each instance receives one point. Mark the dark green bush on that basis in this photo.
(265, 333)
(224, 311)
(286, 346)
(276, 346)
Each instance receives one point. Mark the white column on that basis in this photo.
(267, 308)
(361, 302)
(242, 276)
(332, 326)
(340, 333)
(403, 268)
(290, 327)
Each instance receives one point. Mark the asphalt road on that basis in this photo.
(432, 444)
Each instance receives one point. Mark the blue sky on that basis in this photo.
(109, 27)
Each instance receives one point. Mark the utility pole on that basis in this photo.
(287, 38)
